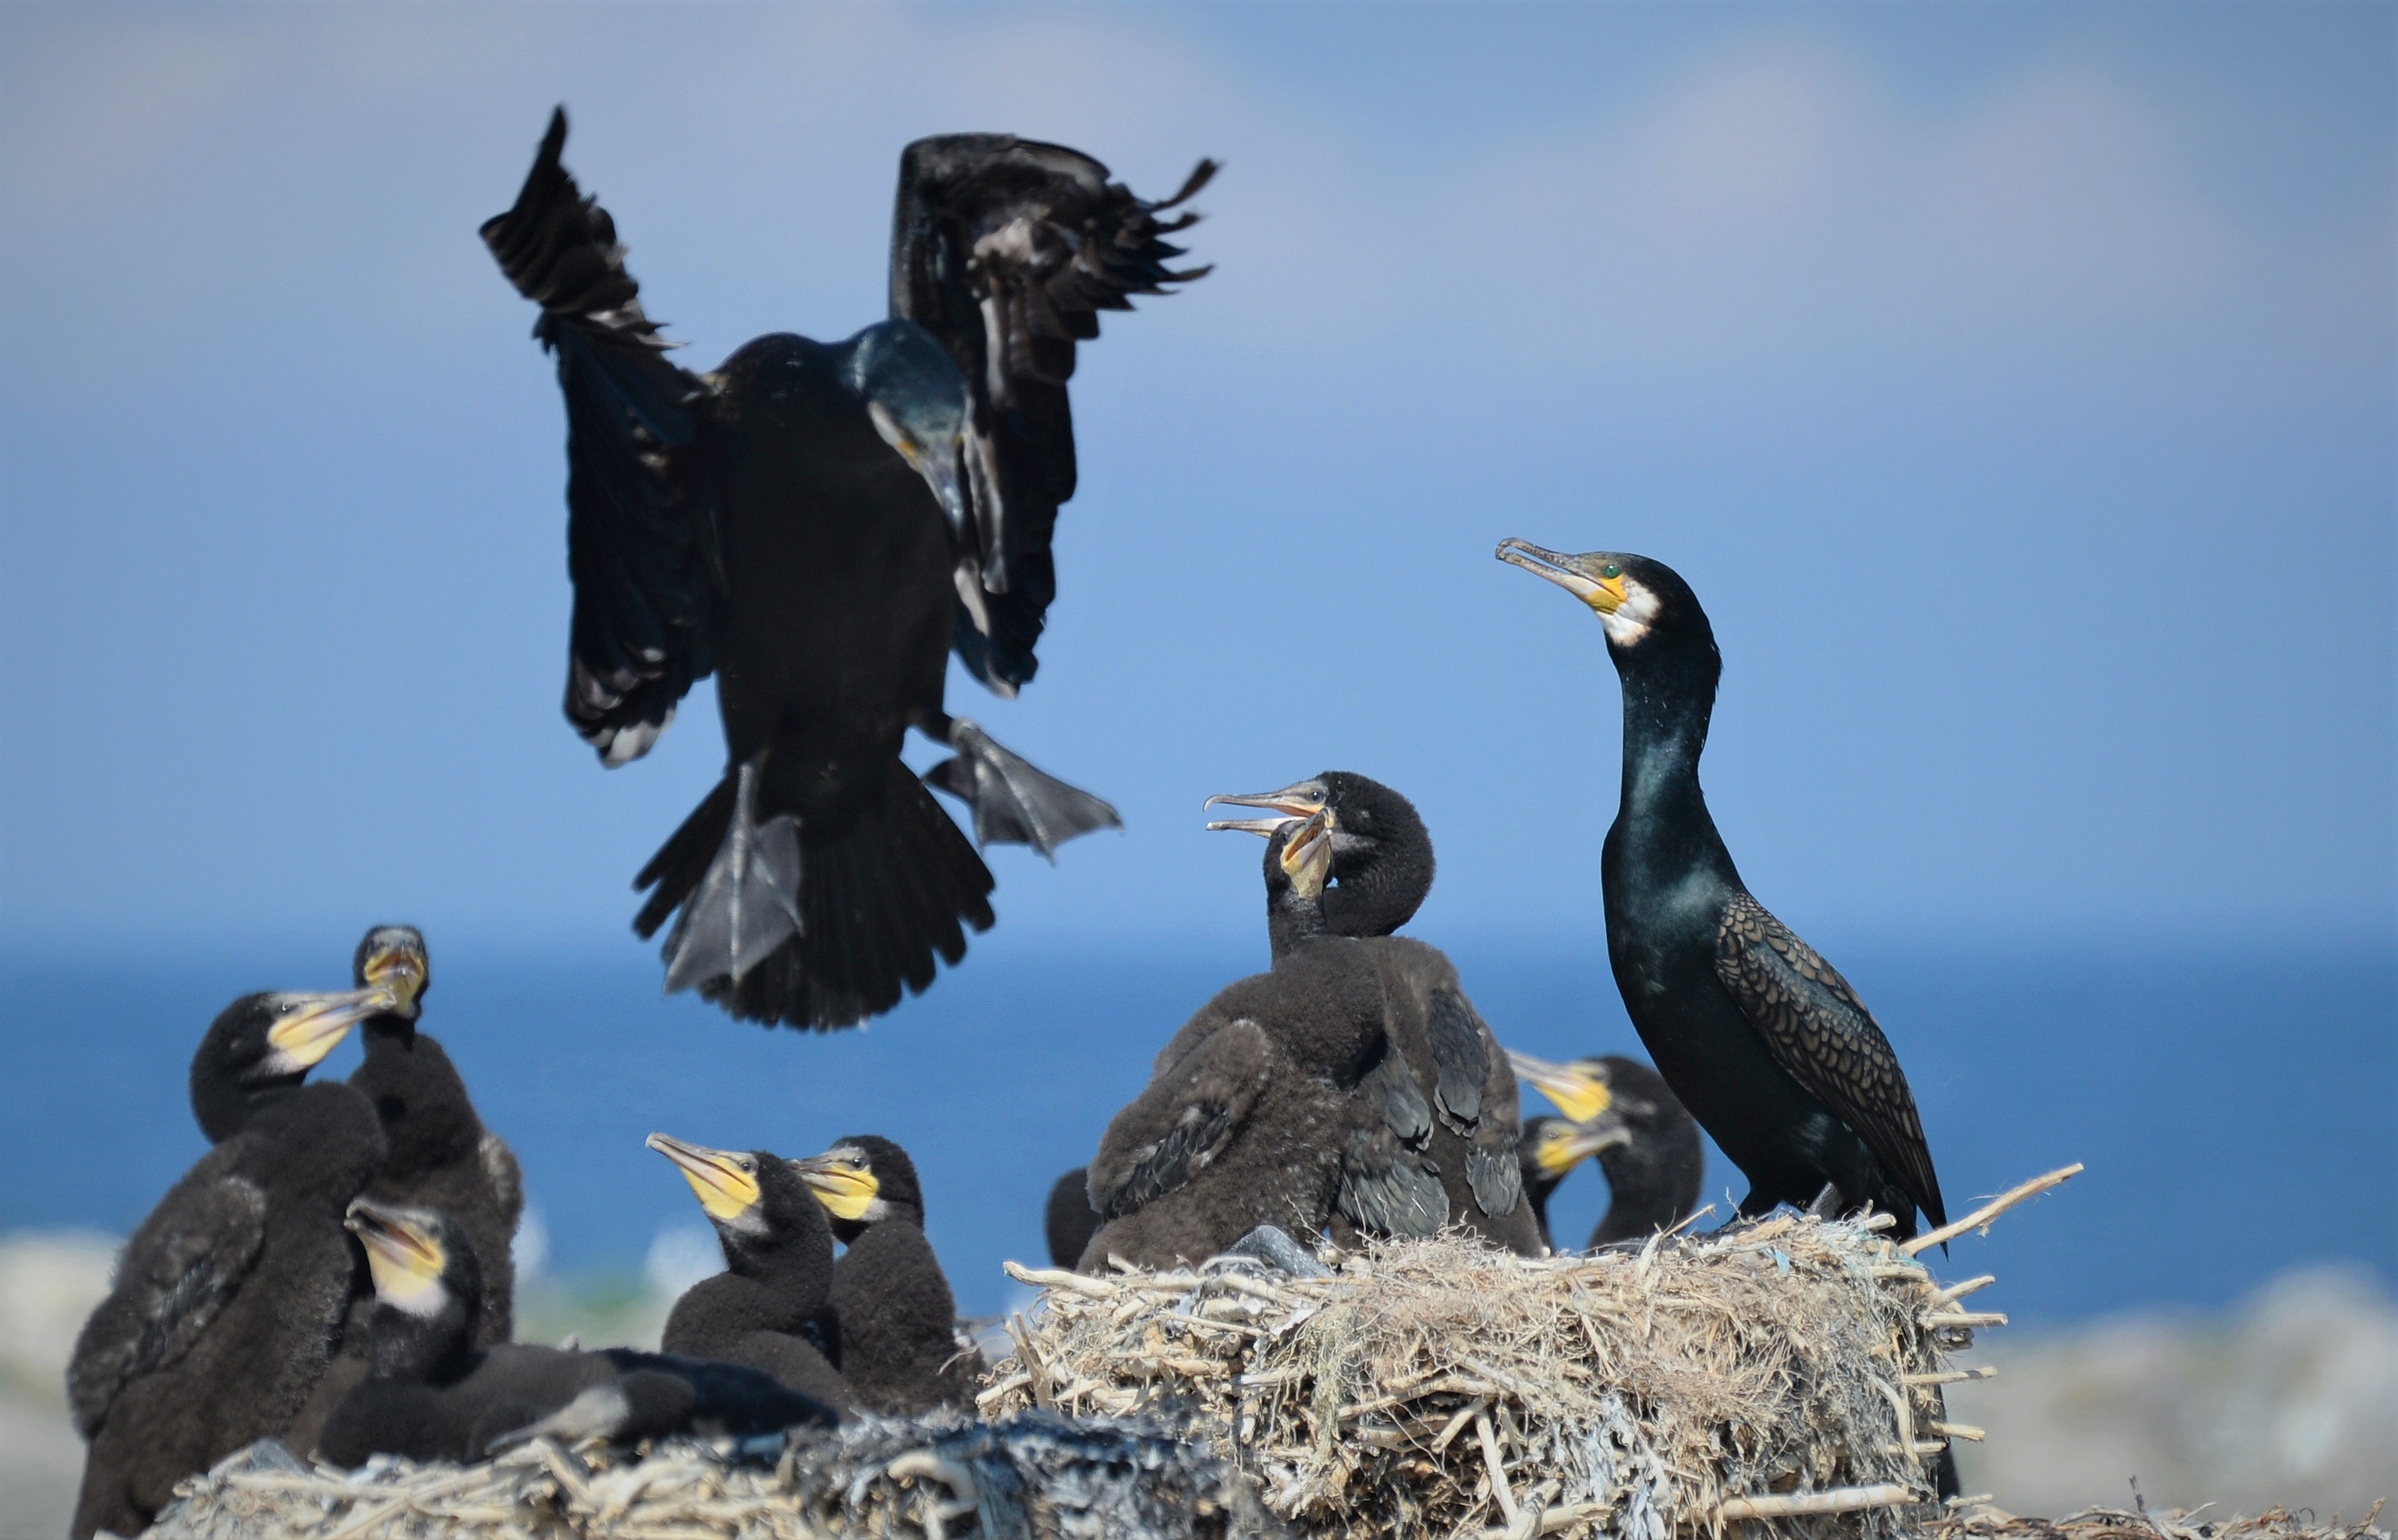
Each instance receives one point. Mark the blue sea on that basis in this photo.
(2234, 1107)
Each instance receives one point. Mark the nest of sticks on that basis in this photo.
(1031, 1478)
(1989, 1523)
(1787, 1370)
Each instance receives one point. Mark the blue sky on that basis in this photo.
(2014, 384)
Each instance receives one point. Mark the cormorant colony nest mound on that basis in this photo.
(1779, 1377)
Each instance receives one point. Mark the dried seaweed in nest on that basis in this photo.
(1980, 1522)
(1786, 1369)
(1035, 1477)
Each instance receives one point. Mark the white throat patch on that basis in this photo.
(1629, 625)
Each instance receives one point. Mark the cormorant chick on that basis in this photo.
(442, 1157)
(433, 1395)
(1760, 1038)
(1243, 1119)
(264, 1044)
(227, 1303)
(1069, 1221)
(1623, 1112)
(821, 525)
(771, 1307)
(1437, 1145)
(900, 1350)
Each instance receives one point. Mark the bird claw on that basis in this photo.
(1272, 1245)
(1015, 802)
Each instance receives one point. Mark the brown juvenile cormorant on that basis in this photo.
(1242, 1123)
(226, 1307)
(1759, 1037)
(441, 1155)
(1438, 1145)
(264, 1044)
(1623, 1112)
(1069, 1221)
(772, 1306)
(820, 525)
(434, 1394)
(900, 1350)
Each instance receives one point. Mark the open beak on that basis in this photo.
(1579, 1094)
(1586, 577)
(843, 1183)
(1303, 800)
(1307, 854)
(402, 1254)
(400, 970)
(725, 1190)
(307, 1027)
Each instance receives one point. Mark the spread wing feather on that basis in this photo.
(1387, 1186)
(639, 540)
(1822, 1034)
(1185, 1118)
(177, 1273)
(1007, 249)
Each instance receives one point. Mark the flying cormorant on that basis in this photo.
(1759, 1037)
(1438, 1145)
(262, 1044)
(820, 525)
(227, 1303)
(433, 1395)
(900, 1350)
(1069, 1221)
(441, 1155)
(771, 1307)
(1243, 1119)
(1623, 1112)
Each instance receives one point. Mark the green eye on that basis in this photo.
(1611, 569)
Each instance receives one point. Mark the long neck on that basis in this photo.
(1663, 814)
(1380, 892)
(418, 1351)
(1292, 921)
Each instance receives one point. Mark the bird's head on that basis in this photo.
(1553, 1146)
(418, 1263)
(916, 399)
(863, 1180)
(1635, 598)
(728, 1182)
(1581, 1090)
(392, 960)
(1380, 852)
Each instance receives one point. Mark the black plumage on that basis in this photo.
(442, 1156)
(227, 1305)
(1242, 1122)
(1069, 1221)
(1436, 1144)
(1765, 1043)
(891, 1302)
(1623, 1112)
(820, 525)
(264, 1044)
(434, 1394)
(771, 1308)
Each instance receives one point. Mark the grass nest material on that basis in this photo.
(1786, 1369)
(1989, 1523)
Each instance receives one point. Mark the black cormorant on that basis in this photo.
(1243, 1120)
(771, 1307)
(1623, 1112)
(434, 1394)
(227, 1303)
(1445, 1108)
(820, 525)
(1759, 1037)
(900, 1350)
(1069, 1221)
(264, 1044)
(441, 1155)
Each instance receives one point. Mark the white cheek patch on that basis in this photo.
(1630, 623)
(422, 1298)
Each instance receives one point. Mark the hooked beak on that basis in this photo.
(841, 1181)
(938, 463)
(1586, 578)
(725, 1190)
(1579, 1094)
(402, 1254)
(1301, 800)
(310, 1026)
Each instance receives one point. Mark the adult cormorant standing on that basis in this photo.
(227, 1303)
(1438, 1143)
(433, 1395)
(1759, 1037)
(900, 1350)
(820, 524)
(1623, 1112)
(771, 1307)
(264, 1044)
(1242, 1123)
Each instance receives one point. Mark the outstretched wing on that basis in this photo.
(640, 538)
(1007, 249)
(1185, 1118)
(175, 1275)
(1820, 1032)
